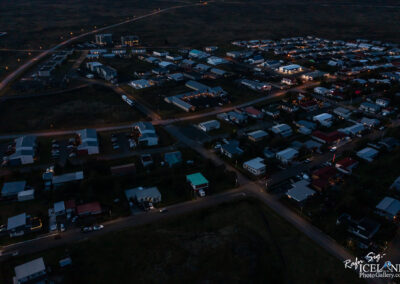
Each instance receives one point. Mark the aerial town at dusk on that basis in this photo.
(193, 142)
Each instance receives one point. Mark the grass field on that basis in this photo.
(86, 107)
(241, 242)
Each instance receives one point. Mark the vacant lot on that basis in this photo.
(242, 242)
(85, 107)
(44, 23)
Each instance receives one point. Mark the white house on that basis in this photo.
(25, 150)
(140, 84)
(255, 166)
(88, 142)
(147, 133)
(290, 69)
(209, 125)
(325, 119)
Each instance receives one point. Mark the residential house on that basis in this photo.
(290, 69)
(147, 133)
(197, 181)
(368, 154)
(388, 207)
(287, 156)
(346, 165)
(25, 151)
(253, 112)
(370, 122)
(129, 40)
(300, 191)
(142, 194)
(103, 39)
(173, 158)
(342, 112)
(396, 184)
(325, 119)
(92, 208)
(210, 125)
(231, 149)
(140, 84)
(11, 189)
(87, 142)
(257, 135)
(33, 271)
(255, 166)
(334, 137)
(283, 130)
(369, 107)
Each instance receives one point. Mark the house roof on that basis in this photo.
(325, 173)
(70, 204)
(232, 147)
(16, 221)
(173, 158)
(12, 188)
(68, 177)
(257, 134)
(328, 137)
(59, 206)
(256, 163)
(252, 111)
(287, 154)
(367, 153)
(346, 163)
(196, 179)
(89, 208)
(300, 191)
(389, 205)
(140, 193)
(29, 268)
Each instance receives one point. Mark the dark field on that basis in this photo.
(85, 107)
(241, 242)
(31, 25)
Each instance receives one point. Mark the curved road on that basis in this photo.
(12, 76)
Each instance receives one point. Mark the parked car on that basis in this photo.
(87, 229)
(97, 227)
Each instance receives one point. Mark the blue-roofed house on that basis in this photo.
(388, 207)
(173, 158)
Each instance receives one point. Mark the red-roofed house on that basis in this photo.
(325, 173)
(308, 105)
(320, 184)
(70, 206)
(346, 165)
(333, 137)
(324, 177)
(253, 112)
(92, 208)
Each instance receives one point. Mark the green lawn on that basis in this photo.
(240, 242)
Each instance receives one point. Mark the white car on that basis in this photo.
(98, 227)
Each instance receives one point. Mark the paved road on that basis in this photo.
(23, 68)
(160, 121)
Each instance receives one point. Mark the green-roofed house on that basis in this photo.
(197, 181)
